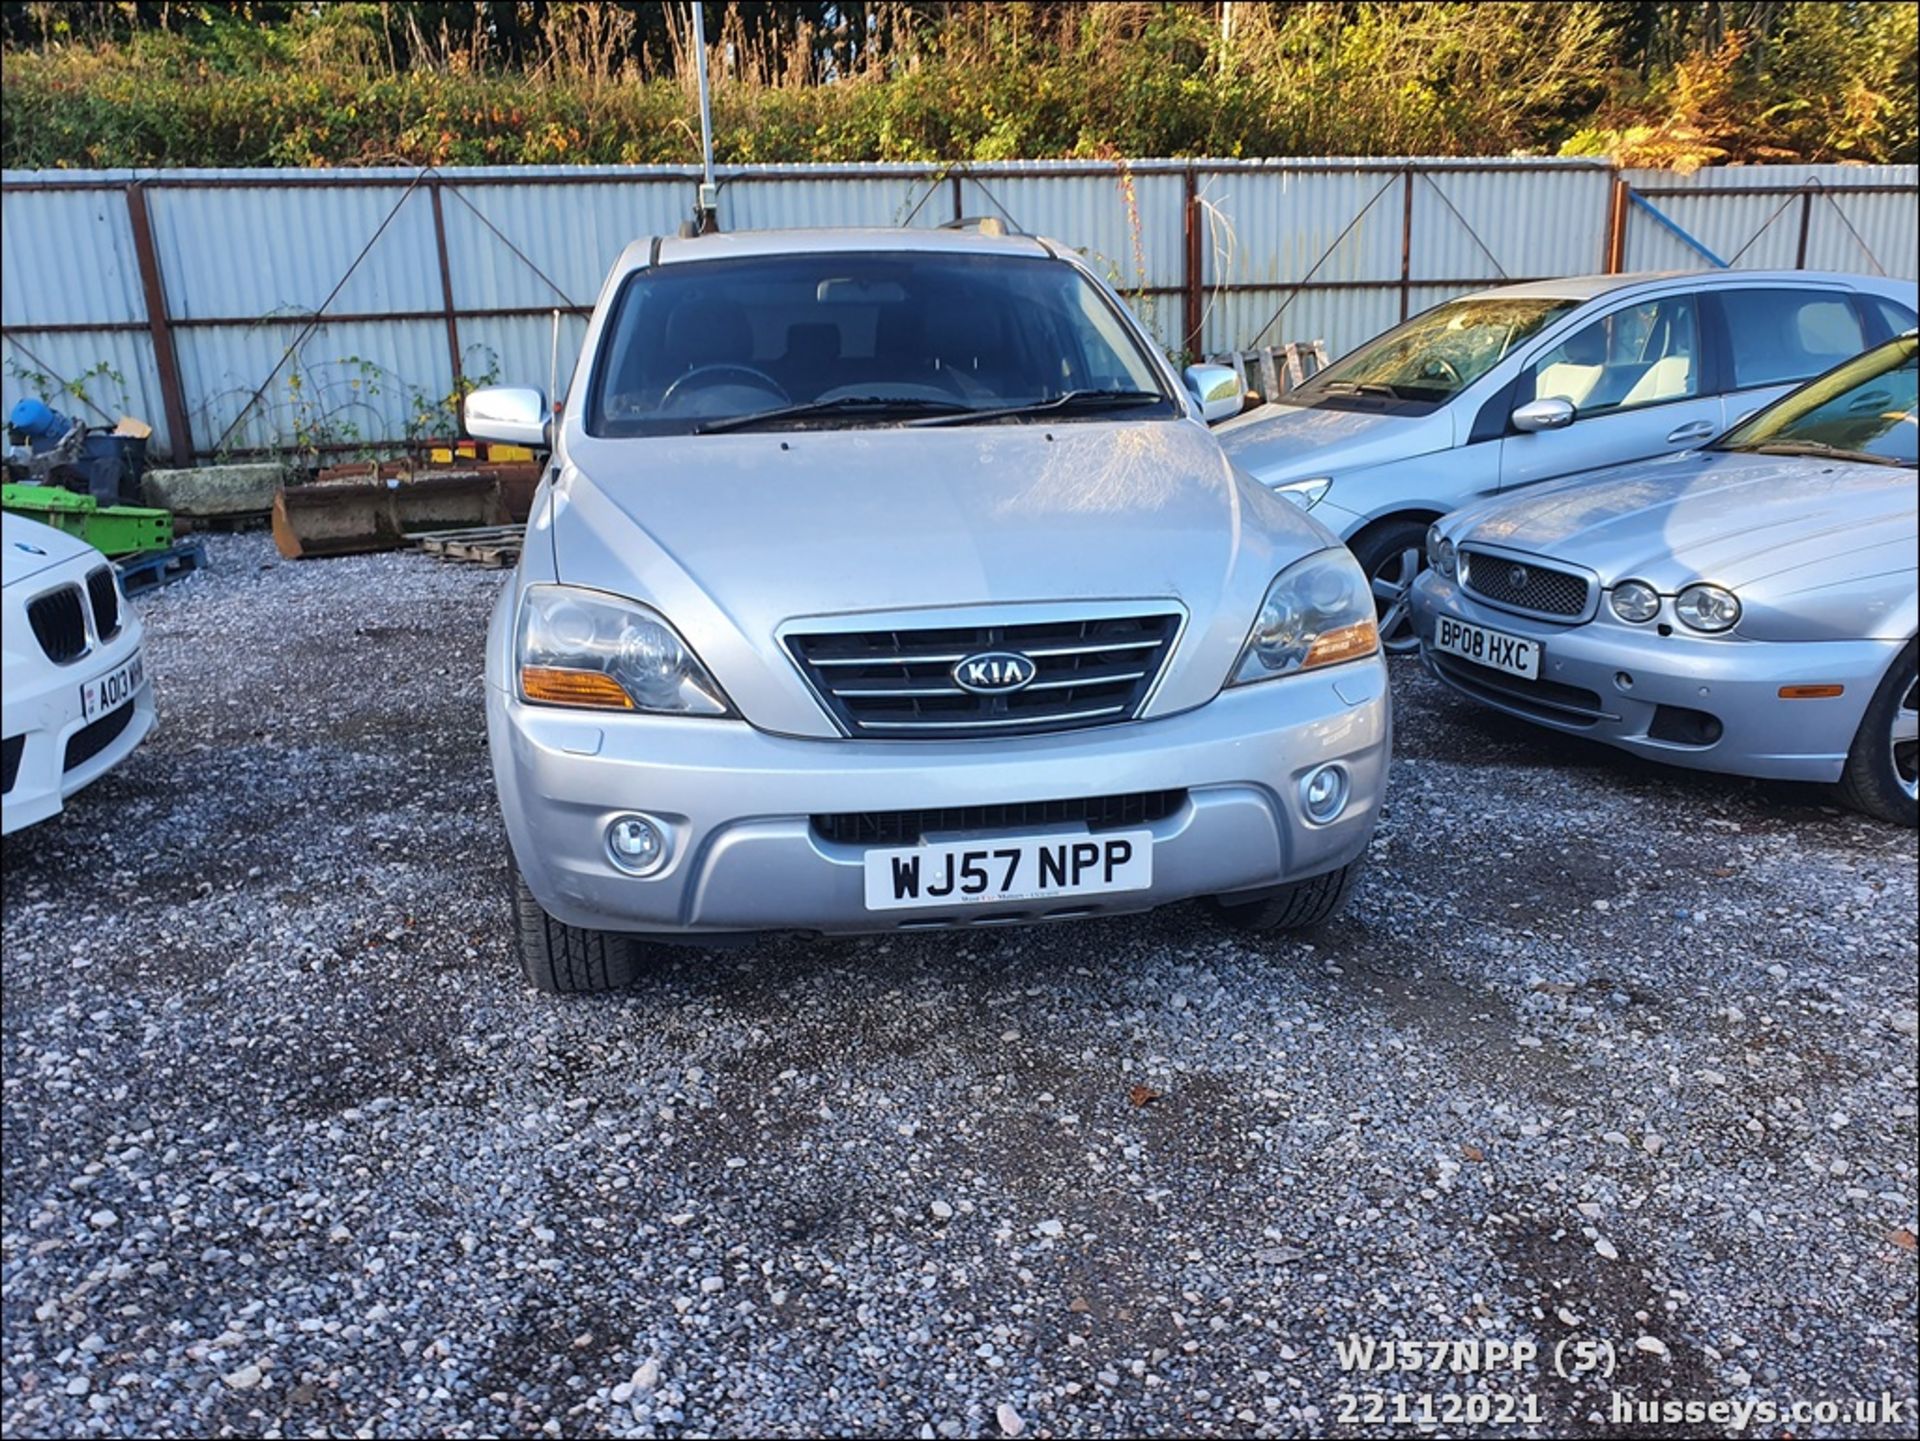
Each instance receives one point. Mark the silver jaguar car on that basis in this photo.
(892, 580)
(1748, 607)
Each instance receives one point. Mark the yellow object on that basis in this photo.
(1811, 692)
(555, 686)
(443, 455)
(1350, 642)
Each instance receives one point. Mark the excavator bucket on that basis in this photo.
(346, 517)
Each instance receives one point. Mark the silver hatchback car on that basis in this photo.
(892, 580)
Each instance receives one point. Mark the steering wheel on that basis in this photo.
(1439, 364)
(723, 367)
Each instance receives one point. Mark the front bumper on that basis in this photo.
(1651, 694)
(745, 856)
(41, 714)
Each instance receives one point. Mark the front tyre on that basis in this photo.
(1393, 554)
(1880, 778)
(569, 960)
(1297, 907)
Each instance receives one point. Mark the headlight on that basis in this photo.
(1440, 555)
(1318, 611)
(584, 648)
(1636, 601)
(1707, 607)
(1305, 493)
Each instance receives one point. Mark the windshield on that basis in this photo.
(1863, 410)
(844, 339)
(1424, 362)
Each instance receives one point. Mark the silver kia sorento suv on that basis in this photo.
(891, 580)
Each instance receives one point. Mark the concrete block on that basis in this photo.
(215, 490)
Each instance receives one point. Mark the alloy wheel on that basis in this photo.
(1904, 741)
(1392, 582)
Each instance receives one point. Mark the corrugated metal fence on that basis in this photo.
(245, 310)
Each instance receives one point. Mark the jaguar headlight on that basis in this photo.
(1707, 607)
(1440, 553)
(1306, 493)
(585, 648)
(1318, 611)
(1635, 600)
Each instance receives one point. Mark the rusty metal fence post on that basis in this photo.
(1617, 224)
(446, 284)
(159, 327)
(1190, 287)
(1406, 248)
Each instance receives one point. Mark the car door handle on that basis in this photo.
(1699, 430)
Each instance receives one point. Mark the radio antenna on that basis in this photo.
(706, 208)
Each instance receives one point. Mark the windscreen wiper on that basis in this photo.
(1814, 447)
(874, 406)
(1078, 401)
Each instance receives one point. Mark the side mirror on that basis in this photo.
(514, 414)
(1552, 413)
(1217, 389)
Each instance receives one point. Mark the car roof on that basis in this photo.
(1592, 287)
(740, 244)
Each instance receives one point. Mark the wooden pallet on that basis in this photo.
(240, 520)
(155, 568)
(494, 546)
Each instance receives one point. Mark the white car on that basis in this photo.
(74, 696)
(1501, 390)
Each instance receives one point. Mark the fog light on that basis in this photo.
(636, 844)
(1324, 793)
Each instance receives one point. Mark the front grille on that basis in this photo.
(10, 750)
(898, 684)
(905, 828)
(1547, 699)
(87, 742)
(105, 596)
(58, 623)
(1525, 585)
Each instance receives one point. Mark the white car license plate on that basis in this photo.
(1021, 868)
(115, 688)
(1486, 647)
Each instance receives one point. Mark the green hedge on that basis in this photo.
(1831, 82)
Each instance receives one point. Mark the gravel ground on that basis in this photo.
(1601, 1052)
